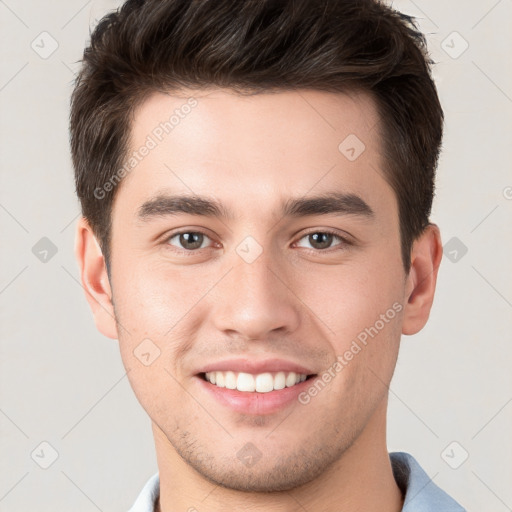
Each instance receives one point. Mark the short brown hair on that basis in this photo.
(257, 45)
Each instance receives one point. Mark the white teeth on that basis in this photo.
(290, 379)
(261, 383)
(230, 380)
(245, 382)
(280, 380)
(264, 383)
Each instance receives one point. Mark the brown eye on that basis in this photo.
(188, 240)
(322, 240)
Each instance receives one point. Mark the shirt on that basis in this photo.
(421, 494)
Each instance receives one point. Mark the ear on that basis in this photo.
(420, 286)
(94, 279)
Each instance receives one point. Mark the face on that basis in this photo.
(288, 268)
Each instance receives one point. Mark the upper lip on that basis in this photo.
(255, 366)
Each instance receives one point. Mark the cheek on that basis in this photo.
(155, 306)
(360, 304)
(156, 389)
(351, 299)
(152, 301)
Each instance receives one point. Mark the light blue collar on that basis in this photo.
(421, 493)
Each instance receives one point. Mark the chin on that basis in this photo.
(283, 473)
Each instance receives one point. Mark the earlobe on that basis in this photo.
(94, 279)
(420, 285)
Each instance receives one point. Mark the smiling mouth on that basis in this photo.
(254, 383)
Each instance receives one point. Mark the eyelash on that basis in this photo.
(344, 242)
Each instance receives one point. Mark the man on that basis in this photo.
(256, 179)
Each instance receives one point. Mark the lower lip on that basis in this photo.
(255, 403)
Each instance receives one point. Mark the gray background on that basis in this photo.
(62, 383)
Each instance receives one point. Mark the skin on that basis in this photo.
(295, 301)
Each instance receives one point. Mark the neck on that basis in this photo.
(362, 479)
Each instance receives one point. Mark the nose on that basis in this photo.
(256, 300)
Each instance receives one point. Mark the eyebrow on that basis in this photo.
(336, 203)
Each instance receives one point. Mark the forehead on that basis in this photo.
(269, 144)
